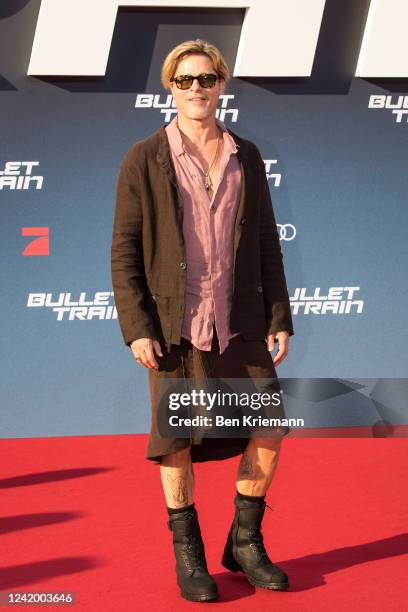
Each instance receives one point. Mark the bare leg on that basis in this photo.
(177, 476)
(257, 466)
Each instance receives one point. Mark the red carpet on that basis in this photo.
(86, 514)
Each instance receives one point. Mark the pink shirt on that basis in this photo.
(208, 229)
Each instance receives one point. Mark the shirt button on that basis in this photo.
(260, 289)
(183, 265)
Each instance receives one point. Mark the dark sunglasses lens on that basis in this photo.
(207, 80)
(185, 83)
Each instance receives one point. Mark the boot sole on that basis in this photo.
(272, 586)
(233, 566)
(203, 597)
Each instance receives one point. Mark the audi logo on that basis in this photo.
(286, 231)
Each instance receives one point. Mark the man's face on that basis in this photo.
(196, 102)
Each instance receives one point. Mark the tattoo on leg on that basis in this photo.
(179, 489)
(245, 470)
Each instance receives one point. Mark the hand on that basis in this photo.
(143, 351)
(283, 343)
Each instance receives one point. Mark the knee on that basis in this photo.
(179, 458)
(268, 443)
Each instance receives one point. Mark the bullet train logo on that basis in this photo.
(19, 175)
(168, 109)
(338, 300)
(68, 308)
(73, 37)
(398, 105)
(276, 177)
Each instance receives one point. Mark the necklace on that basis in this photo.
(207, 178)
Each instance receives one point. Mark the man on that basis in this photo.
(200, 291)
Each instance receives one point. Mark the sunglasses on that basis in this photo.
(185, 81)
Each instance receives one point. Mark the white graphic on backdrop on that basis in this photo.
(287, 231)
(18, 175)
(166, 105)
(74, 37)
(338, 300)
(277, 177)
(398, 105)
(100, 305)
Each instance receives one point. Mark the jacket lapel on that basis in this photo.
(164, 159)
(243, 196)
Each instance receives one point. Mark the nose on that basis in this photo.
(195, 86)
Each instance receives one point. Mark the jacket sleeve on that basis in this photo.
(127, 265)
(276, 297)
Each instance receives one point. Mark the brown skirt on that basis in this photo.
(241, 359)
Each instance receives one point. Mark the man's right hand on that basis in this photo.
(144, 350)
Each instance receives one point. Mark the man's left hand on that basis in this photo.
(283, 343)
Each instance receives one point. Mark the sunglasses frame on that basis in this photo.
(179, 79)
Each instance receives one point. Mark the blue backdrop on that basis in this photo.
(338, 184)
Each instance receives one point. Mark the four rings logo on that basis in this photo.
(286, 232)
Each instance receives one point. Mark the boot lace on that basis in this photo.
(257, 545)
(192, 554)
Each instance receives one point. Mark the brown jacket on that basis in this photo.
(148, 260)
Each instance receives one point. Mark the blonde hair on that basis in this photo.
(190, 47)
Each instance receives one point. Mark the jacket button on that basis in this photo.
(183, 265)
(243, 220)
(259, 289)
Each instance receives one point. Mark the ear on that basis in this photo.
(222, 86)
(171, 88)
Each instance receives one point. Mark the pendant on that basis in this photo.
(207, 183)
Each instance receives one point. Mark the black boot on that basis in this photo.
(245, 550)
(193, 578)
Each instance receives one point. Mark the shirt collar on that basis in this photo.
(176, 141)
